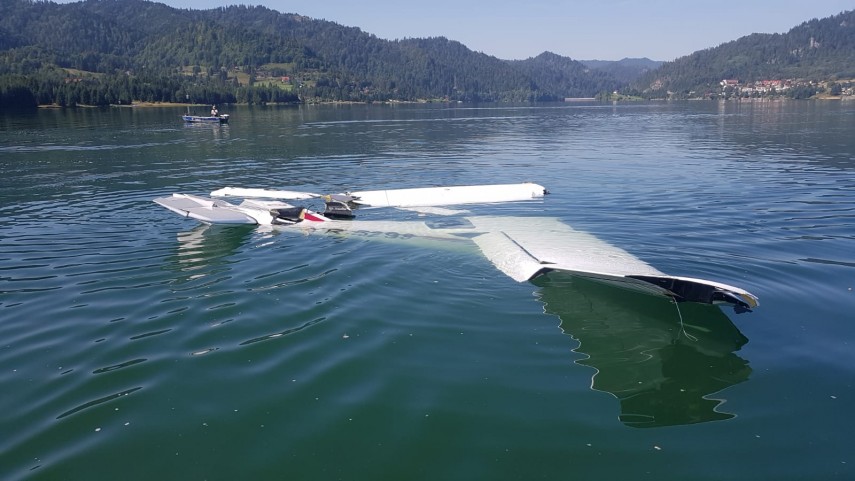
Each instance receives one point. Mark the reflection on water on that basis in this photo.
(662, 370)
(662, 361)
(786, 132)
(218, 131)
(205, 246)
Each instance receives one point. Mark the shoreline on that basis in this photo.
(146, 105)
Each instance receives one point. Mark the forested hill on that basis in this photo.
(101, 52)
(558, 73)
(625, 70)
(816, 50)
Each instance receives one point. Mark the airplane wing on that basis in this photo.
(444, 196)
(525, 247)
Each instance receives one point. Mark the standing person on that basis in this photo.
(214, 111)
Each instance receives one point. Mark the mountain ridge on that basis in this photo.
(140, 50)
(100, 52)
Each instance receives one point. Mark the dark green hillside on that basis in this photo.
(556, 73)
(815, 50)
(100, 52)
(116, 51)
(625, 70)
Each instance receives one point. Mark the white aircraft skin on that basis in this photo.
(520, 247)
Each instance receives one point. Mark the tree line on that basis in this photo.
(56, 88)
(100, 52)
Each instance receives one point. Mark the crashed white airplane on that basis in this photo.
(521, 247)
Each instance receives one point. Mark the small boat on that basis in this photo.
(222, 119)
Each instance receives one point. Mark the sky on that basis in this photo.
(579, 29)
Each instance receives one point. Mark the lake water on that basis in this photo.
(138, 345)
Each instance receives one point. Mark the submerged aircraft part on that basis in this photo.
(521, 247)
(664, 369)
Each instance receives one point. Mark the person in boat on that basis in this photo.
(214, 111)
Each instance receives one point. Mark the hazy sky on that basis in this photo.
(579, 29)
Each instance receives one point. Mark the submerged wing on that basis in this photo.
(262, 193)
(525, 247)
(454, 195)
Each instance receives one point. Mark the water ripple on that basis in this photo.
(98, 401)
(118, 366)
(283, 333)
(257, 344)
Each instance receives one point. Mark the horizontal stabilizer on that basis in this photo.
(209, 211)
